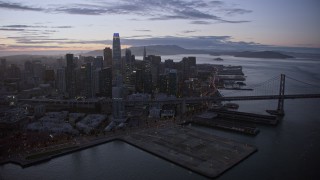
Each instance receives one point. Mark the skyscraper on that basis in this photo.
(144, 53)
(70, 76)
(105, 82)
(61, 80)
(116, 57)
(118, 112)
(3, 68)
(107, 57)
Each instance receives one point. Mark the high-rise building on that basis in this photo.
(80, 81)
(96, 81)
(188, 67)
(70, 76)
(118, 112)
(98, 62)
(169, 63)
(107, 57)
(13, 71)
(89, 81)
(144, 53)
(172, 82)
(116, 56)
(61, 80)
(155, 66)
(128, 67)
(28, 67)
(3, 68)
(105, 82)
(38, 70)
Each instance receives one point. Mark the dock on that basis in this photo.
(227, 124)
(248, 117)
(197, 151)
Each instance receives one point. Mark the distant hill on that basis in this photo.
(173, 50)
(262, 54)
(153, 50)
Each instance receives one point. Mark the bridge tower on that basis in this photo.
(280, 109)
(281, 94)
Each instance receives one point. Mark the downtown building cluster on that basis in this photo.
(85, 77)
(97, 76)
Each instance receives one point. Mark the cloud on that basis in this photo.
(200, 10)
(143, 30)
(30, 26)
(11, 29)
(63, 27)
(195, 14)
(200, 22)
(21, 26)
(18, 6)
(227, 21)
(138, 36)
(81, 11)
(236, 11)
(189, 31)
(32, 46)
(216, 3)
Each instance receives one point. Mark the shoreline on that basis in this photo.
(173, 153)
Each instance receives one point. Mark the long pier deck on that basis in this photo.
(249, 117)
(199, 152)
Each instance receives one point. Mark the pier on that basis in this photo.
(199, 152)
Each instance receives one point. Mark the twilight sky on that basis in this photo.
(67, 25)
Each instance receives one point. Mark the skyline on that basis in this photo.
(89, 24)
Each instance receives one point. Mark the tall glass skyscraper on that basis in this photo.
(117, 89)
(116, 56)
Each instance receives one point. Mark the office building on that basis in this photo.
(70, 76)
(105, 82)
(61, 80)
(107, 57)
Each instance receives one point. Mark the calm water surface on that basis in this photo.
(288, 151)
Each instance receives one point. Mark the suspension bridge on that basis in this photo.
(280, 87)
